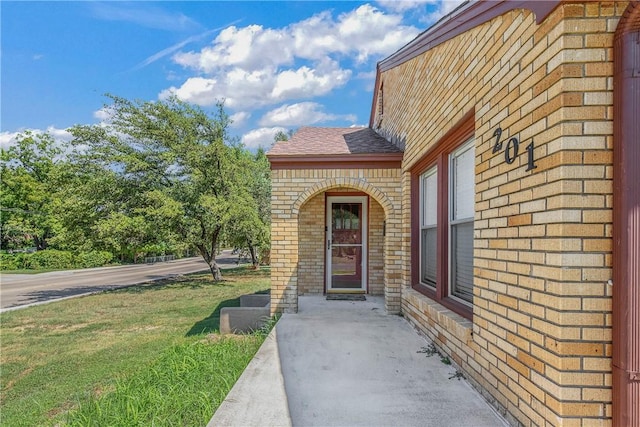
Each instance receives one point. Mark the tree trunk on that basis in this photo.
(207, 249)
(40, 244)
(215, 271)
(254, 256)
(210, 259)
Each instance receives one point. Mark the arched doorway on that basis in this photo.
(329, 260)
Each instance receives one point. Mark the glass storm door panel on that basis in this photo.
(346, 243)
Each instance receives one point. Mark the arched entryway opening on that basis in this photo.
(626, 220)
(315, 246)
(341, 243)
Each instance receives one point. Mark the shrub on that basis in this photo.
(93, 259)
(8, 262)
(49, 259)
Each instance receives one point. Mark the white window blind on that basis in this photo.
(463, 181)
(462, 189)
(430, 198)
(429, 227)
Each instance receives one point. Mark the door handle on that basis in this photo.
(328, 245)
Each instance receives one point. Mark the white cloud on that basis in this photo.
(249, 48)
(174, 48)
(362, 32)
(443, 8)
(366, 75)
(304, 113)
(8, 139)
(307, 82)
(432, 10)
(198, 90)
(253, 66)
(371, 32)
(251, 89)
(262, 137)
(239, 119)
(404, 5)
(144, 15)
(104, 114)
(59, 134)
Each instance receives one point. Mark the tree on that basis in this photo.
(30, 174)
(280, 136)
(179, 151)
(92, 194)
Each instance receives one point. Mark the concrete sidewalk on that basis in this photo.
(344, 363)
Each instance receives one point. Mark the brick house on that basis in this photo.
(493, 201)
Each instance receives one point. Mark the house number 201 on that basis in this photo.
(512, 148)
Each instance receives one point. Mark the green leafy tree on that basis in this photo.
(92, 194)
(176, 155)
(30, 175)
(280, 136)
(251, 201)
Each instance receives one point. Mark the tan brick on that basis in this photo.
(596, 394)
(516, 220)
(598, 69)
(585, 26)
(599, 40)
(597, 245)
(573, 10)
(600, 156)
(570, 230)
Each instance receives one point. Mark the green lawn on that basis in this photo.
(70, 362)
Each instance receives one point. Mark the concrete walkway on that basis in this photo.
(344, 363)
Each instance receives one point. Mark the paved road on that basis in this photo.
(24, 289)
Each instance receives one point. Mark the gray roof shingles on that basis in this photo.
(315, 141)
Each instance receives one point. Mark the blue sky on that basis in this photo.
(277, 65)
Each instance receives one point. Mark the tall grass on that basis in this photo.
(183, 387)
(59, 358)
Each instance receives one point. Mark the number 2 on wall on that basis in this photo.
(511, 151)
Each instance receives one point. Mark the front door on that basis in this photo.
(346, 243)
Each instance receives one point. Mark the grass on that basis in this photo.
(29, 271)
(79, 361)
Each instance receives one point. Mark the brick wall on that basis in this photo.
(297, 197)
(376, 249)
(311, 238)
(539, 345)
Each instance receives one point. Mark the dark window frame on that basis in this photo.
(438, 156)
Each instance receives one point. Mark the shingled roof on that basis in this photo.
(333, 141)
(313, 147)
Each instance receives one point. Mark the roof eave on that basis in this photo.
(337, 161)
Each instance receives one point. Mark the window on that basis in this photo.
(443, 200)
(462, 196)
(429, 227)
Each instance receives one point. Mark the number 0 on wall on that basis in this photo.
(512, 148)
